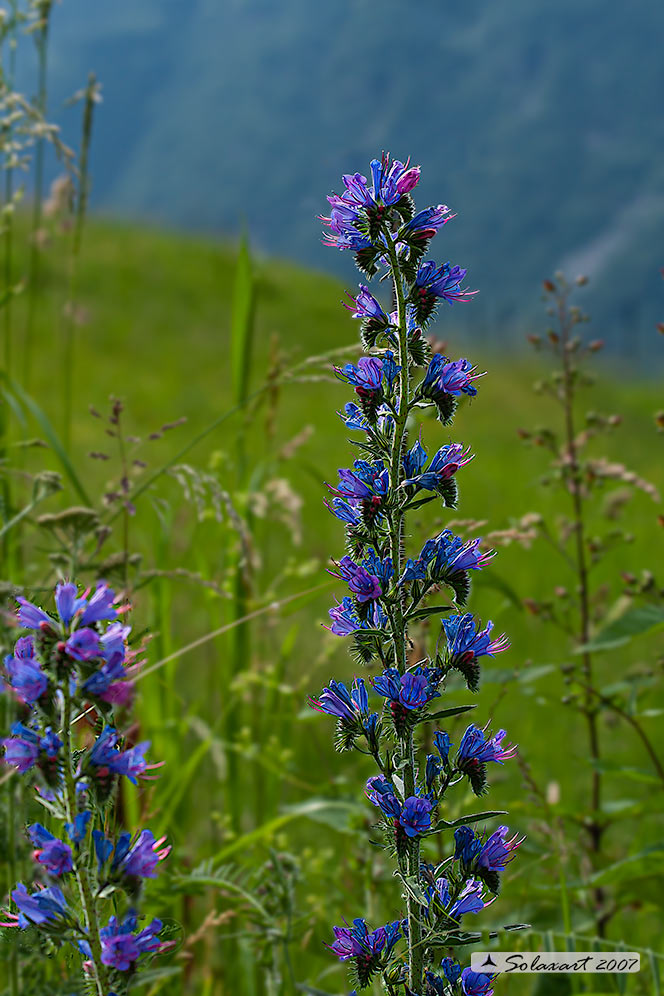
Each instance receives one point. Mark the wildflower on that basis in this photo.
(337, 701)
(414, 460)
(437, 282)
(433, 769)
(26, 748)
(121, 947)
(406, 692)
(371, 950)
(445, 376)
(443, 466)
(466, 644)
(364, 487)
(442, 743)
(345, 619)
(469, 900)
(365, 586)
(447, 552)
(364, 305)
(43, 906)
(451, 969)
(132, 861)
(344, 511)
(425, 224)
(78, 828)
(475, 751)
(103, 756)
(25, 673)
(415, 817)
(381, 793)
(50, 852)
(382, 569)
(476, 983)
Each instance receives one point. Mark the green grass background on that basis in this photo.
(156, 333)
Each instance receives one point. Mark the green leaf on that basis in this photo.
(153, 975)
(50, 434)
(465, 820)
(242, 323)
(445, 713)
(413, 887)
(633, 622)
(429, 610)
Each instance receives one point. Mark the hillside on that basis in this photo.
(539, 122)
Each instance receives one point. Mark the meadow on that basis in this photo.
(227, 435)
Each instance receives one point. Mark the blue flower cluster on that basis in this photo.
(75, 661)
(387, 589)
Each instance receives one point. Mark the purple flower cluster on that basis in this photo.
(53, 854)
(122, 945)
(379, 223)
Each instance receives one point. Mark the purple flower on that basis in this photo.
(31, 616)
(475, 746)
(345, 619)
(344, 511)
(137, 860)
(120, 946)
(381, 793)
(130, 763)
(448, 552)
(43, 906)
(83, 644)
(445, 376)
(496, 852)
(54, 854)
(27, 679)
(425, 224)
(444, 465)
(382, 569)
(451, 969)
(415, 816)
(25, 748)
(100, 606)
(442, 743)
(358, 942)
(337, 700)
(475, 983)
(439, 282)
(364, 586)
(365, 305)
(465, 642)
(367, 375)
(410, 690)
(67, 602)
(78, 829)
(469, 900)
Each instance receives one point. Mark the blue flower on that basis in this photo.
(337, 700)
(467, 845)
(465, 642)
(381, 793)
(442, 743)
(475, 746)
(451, 969)
(43, 906)
(382, 569)
(476, 983)
(496, 852)
(358, 942)
(415, 817)
(444, 465)
(445, 376)
(433, 282)
(344, 511)
(367, 375)
(52, 853)
(433, 769)
(345, 619)
(411, 690)
(365, 586)
(104, 754)
(78, 829)
(121, 947)
(365, 305)
(25, 673)
(425, 224)
(447, 552)
(26, 748)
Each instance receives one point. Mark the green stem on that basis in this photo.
(411, 863)
(80, 871)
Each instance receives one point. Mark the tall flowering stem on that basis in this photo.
(389, 590)
(71, 679)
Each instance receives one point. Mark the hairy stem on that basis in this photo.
(411, 863)
(80, 870)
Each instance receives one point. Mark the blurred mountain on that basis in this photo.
(539, 121)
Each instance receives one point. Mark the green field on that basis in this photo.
(248, 765)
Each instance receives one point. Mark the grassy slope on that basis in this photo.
(157, 335)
